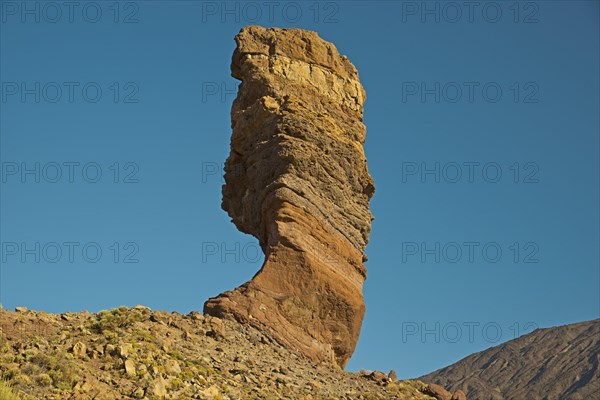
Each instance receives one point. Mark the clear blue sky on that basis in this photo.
(517, 93)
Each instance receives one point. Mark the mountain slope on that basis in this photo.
(138, 353)
(552, 363)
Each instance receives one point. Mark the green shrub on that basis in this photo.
(21, 380)
(58, 370)
(176, 354)
(4, 346)
(115, 319)
(9, 374)
(43, 380)
(142, 336)
(43, 360)
(177, 383)
(186, 375)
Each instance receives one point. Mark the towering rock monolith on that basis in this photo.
(297, 180)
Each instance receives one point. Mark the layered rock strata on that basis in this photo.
(297, 180)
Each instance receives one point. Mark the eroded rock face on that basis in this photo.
(297, 179)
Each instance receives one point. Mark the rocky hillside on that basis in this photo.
(553, 363)
(137, 353)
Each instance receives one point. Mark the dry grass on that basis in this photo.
(6, 393)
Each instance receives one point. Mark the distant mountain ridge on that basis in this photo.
(551, 363)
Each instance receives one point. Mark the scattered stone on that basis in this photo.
(138, 393)
(166, 345)
(158, 388)
(392, 376)
(99, 348)
(109, 348)
(378, 376)
(79, 349)
(210, 392)
(195, 315)
(21, 309)
(85, 386)
(215, 326)
(438, 392)
(159, 317)
(459, 395)
(172, 367)
(130, 368)
(124, 349)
